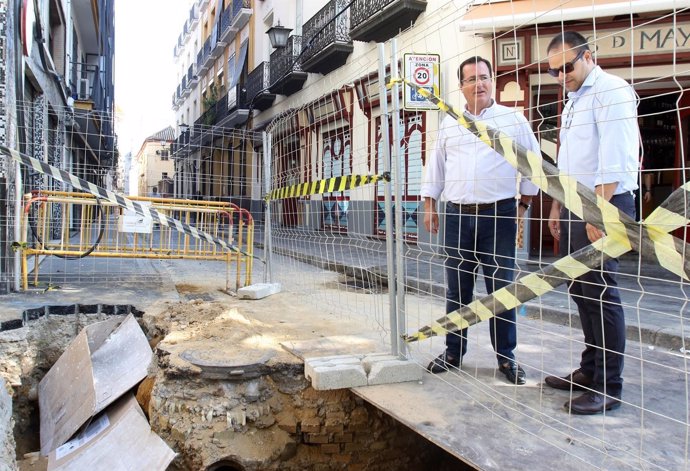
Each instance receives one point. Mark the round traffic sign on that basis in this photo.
(421, 75)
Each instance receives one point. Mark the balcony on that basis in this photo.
(237, 108)
(257, 87)
(91, 110)
(192, 78)
(240, 14)
(217, 47)
(186, 32)
(380, 20)
(184, 86)
(205, 55)
(328, 48)
(193, 17)
(287, 75)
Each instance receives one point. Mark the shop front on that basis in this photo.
(653, 54)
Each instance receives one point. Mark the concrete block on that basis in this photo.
(338, 376)
(393, 371)
(311, 363)
(372, 358)
(258, 290)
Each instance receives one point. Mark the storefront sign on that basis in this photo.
(641, 40)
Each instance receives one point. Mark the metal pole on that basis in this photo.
(268, 250)
(387, 205)
(17, 224)
(397, 186)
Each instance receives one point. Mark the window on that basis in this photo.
(164, 175)
(165, 155)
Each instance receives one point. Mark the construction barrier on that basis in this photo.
(76, 225)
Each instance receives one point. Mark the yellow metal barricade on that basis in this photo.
(74, 225)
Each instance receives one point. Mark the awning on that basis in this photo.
(239, 64)
(504, 16)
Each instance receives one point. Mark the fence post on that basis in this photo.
(268, 270)
(397, 186)
(387, 205)
(18, 200)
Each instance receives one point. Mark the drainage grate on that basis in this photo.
(69, 310)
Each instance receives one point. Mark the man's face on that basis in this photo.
(476, 86)
(564, 57)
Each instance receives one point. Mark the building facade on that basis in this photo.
(58, 102)
(155, 167)
(320, 96)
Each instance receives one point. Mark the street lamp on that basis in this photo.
(278, 35)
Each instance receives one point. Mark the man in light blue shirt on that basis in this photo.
(479, 188)
(599, 146)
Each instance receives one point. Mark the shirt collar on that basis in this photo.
(589, 81)
(484, 111)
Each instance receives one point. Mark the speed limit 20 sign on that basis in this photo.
(424, 71)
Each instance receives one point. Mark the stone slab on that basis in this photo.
(258, 290)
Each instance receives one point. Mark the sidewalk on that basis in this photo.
(654, 300)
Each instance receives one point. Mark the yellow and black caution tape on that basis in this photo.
(623, 234)
(141, 210)
(327, 185)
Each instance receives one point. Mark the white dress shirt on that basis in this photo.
(466, 170)
(599, 138)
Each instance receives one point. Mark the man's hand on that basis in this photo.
(647, 196)
(593, 234)
(555, 220)
(430, 215)
(431, 221)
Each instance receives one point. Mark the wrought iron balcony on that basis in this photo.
(237, 107)
(186, 90)
(216, 47)
(329, 39)
(88, 84)
(287, 75)
(206, 59)
(193, 17)
(241, 12)
(380, 20)
(192, 78)
(233, 19)
(258, 95)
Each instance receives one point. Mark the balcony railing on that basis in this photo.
(88, 83)
(193, 17)
(225, 19)
(241, 12)
(329, 39)
(257, 85)
(379, 20)
(286, 72)
(205, 55)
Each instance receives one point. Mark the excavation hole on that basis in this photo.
(225, 465)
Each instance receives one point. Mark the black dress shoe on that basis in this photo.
(444, 362)
(576, 380)
(513, 371)
(592, 402)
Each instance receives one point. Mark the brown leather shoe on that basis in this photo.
(576, 380)
(592, 402)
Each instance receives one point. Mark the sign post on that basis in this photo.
(424, 71)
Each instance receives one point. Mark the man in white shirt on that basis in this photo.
(479, 188)
(599, 146)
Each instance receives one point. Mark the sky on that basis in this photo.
(145, 34)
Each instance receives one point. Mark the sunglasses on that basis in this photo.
(567, 67)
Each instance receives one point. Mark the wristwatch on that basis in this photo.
(524, 205)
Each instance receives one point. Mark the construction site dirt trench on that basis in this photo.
(225, 394)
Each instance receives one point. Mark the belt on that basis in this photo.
(475, 207)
